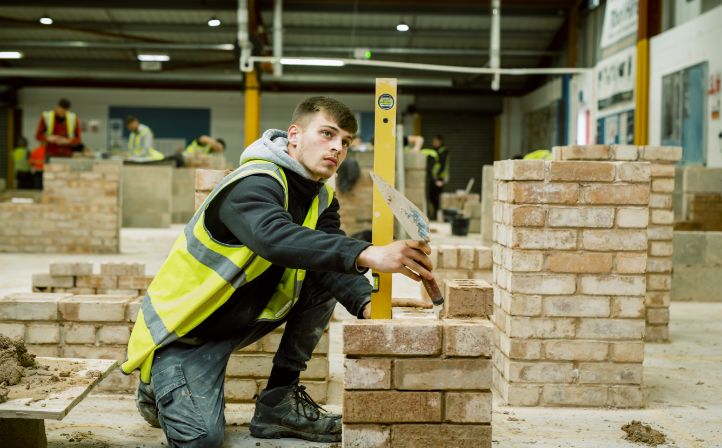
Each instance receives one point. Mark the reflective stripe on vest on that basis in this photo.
(70, 120)
(201, 274)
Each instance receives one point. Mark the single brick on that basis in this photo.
(614, 240)
(520, 349)
(366, 436)
(134, 282)
(627, 351)
(657, 200)
(367, 373)
(543, 193)
(657, 333)
(542, 328)
(574, 395)
(585, 152)
(659, 282)
(624, 285)
(528, 216)
(113, 334)
(96, 308)
(662, 217)
(624, 152)
(67, 268)
(662, 185)
(654, 315)
(580, 262)
(237, 389)
(391, 407)
(522, 260)
(76, 333)
(448, 256)
(518, 304)
(610, 329)
(389, 337)
(663, 170)
(625, 397)
(637, 217)
(468, 298)
(581, 171)
(96, 281)
(122, 268)
(660, 248)
(581, 217)
(12, 330)
(658, 298)
(610, 373)
(468, 407)
(667, 153)
(42, 333)
(525, 238)
(117, 352)
(442, 374)
(576, 350)
(628, 307)
(540, 372)
(542, 283)
(247, 365)
(207, 180)
(634, 194)
(468, 338)
(576, 306)
(458, 436)
(30, 306)
(631, 263)
(634, 172)
(466, 257)
(483, 258)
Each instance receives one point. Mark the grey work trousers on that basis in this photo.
(188, 380)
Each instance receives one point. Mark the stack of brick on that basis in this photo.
(660, 222)
(124, 278)
(98, 326)
(570, 257)
(422, 382)
(460, 261)
(458, 200)
(206, 181)
(79, 213)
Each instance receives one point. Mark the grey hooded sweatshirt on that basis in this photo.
(252, 213)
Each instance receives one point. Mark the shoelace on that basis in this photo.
(306, 402)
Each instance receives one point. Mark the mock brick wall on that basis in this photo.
(98, 326)
(79, 212)
(570, 256)
(125, 278)
(421, 382)
(660, 221)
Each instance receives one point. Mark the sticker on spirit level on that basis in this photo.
(386, 101)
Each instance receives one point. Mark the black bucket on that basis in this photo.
(460, 226)
(449, 214)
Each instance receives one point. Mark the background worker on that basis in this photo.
(140, 141)
(59, 130)
(21, 156)
(437, 174)
(204, 145)
(264, 248)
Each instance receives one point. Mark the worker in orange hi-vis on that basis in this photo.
(59, 129)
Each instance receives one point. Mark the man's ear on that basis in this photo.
(293, 134)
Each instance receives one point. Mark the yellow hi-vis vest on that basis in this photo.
(196, 148)
(436, 155)
(201, 274)
(70, 120)
(539, 154)
(134, 148)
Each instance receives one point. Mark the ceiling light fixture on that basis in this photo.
(214, 21)
(311, 61)
(10, 55)
(45, 20)
(402, 27)
(153, 57)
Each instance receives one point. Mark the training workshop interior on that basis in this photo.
(559, 160)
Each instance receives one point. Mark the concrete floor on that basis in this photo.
(683, 379)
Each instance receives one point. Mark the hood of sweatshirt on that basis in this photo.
(273, 146)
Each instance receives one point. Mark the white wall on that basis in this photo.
(693, 42)
(227, 109)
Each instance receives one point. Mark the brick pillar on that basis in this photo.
(661, 221)
(569, 270)
(421, 382)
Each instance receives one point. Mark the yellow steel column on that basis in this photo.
(382, 224)
(641, 101)
(253, 108)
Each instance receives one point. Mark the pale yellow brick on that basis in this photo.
(442, 374)
(466, 258)
(448, 256)
(468, 407)
(628, 217)
(610, 373)
(608, 329)
(580, 262)
(614, 240)
(77, 333)
(392, 407)
(542, 328)
(524, 238)
(580, 217)
(42, 333)
(367, 373)
(627, 351)
(575, 350)
(542, 283)
(628, 307)
(366, 436)
(541, 372)
(613, 284)
(574, 395)
(634, 172)
(113, 334)
(631, 263)
(468, 337)
(576, 306)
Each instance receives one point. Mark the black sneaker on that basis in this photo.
(290, 412)
(145, 402)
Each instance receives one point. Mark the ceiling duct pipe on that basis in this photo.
(495, 42)
(277, 36)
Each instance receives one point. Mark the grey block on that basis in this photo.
(689, 248)
(701, 179)
(697, 283)
(713, 249)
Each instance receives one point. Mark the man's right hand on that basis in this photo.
(408, 257)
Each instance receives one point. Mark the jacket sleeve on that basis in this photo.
(254, 212)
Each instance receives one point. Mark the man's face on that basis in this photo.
(60, 111)
(320, 145)
(436, 143)
(132, 126)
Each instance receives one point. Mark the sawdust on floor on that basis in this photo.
(638, 432)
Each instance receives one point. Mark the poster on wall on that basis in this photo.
(714, 96)
(616, 80)
(616, 128)
(620, 21)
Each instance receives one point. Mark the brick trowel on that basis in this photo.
(413, 221)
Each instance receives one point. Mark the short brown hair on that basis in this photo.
(130, 119)
(335, 109)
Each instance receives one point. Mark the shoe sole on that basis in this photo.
(277, 432)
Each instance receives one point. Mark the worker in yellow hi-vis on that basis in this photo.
(264, 249)
(140, 141)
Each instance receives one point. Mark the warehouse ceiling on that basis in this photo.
(98, 43)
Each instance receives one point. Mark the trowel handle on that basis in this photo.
(432, 288)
